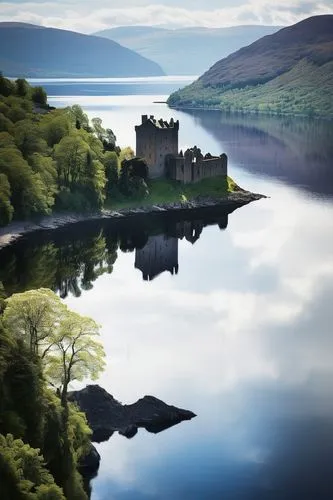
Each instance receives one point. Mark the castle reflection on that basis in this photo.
(160, 253)
(71, 259)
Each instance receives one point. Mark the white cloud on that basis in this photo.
(81, 17)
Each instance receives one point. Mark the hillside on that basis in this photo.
(187, 51)
(290, 71)
(34, 51)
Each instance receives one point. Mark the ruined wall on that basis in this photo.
(194, 167)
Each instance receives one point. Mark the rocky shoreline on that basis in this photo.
(15, 230)
(106, 415)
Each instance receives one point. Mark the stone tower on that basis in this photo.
(155, 139)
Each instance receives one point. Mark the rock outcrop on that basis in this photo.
(106, 415)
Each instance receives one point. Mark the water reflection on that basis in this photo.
(70, 260)
(298, 151)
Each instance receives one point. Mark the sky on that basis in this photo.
(88, 16)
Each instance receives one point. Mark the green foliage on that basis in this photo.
(71, 157)
(32, 417)
(29, 194)
(54, 126)
(77, 117)
(34, 317)
(23, 473)
(133, 177)
(111, 165)
(51, 158)
(22, 88)
(6, 125)
(7, 87)
(64, 340)
(6, 208)
(306, 89)
(76, 354)
(39, 97)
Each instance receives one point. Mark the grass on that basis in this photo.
(164, 191)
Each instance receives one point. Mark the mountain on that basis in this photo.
(186, 51)
(290, 71)
(27, 50)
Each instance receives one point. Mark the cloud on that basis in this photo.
(80, 16)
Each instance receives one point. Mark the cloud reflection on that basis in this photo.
(254, 365)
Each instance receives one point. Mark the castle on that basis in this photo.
(157, 143)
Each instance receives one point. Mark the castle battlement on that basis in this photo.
(160, 124)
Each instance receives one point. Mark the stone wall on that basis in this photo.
(193, 166)
(155, 139)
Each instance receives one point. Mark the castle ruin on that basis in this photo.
(157, 143)
(156, 139)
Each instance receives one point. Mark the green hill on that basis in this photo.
(34, 51)
(290, 71)
(186, 51)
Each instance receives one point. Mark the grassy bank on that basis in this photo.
(163, 191)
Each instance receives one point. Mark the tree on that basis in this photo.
(22, 87)
(5, 124)
(6, 208)
(62, 338)
(78, 353)
(95, 182)
(7, 87)
(133, 176)
(78, 117)
(28, 138)
(29, 194)
(71, 157)
(126, 154)
(98, 128)
(109, 142)
(35, 316)
(54, 126)
(45, 167)
(6, 140)
(111, 165)
(23, 472)
(39, 96)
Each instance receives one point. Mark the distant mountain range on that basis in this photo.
(290, 71)
(27, 50)
(186, 51)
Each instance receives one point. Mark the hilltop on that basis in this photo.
(186, 51)
(287, 72)
(27, 50)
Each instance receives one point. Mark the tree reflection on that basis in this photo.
(71, 259)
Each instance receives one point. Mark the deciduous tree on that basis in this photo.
(79, 353)
(35, 316)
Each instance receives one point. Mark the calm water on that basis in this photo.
(241, 334)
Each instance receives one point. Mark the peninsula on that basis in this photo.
(58, 167)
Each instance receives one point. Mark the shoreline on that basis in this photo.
(251, 112)
(15, 230)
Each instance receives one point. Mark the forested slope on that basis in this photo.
(288, 72)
